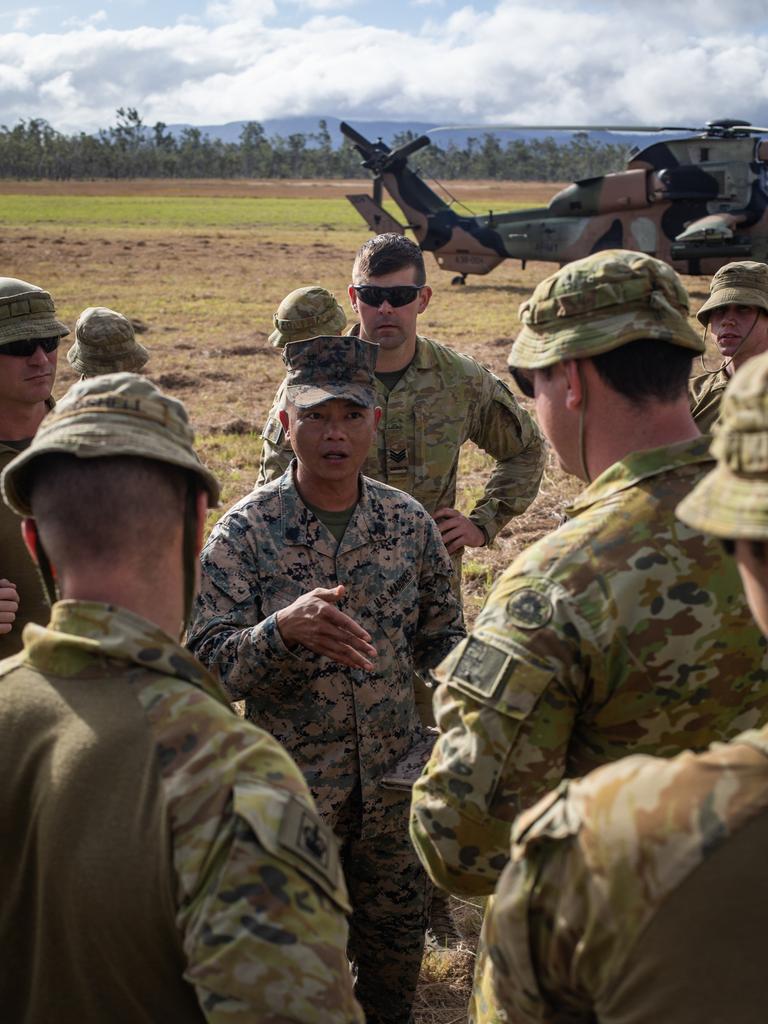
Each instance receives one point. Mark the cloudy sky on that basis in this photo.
(74, 62)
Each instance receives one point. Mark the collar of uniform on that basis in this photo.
(301, 526)
(80, 631)
(639, 466)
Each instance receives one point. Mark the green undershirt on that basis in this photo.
(336, 522)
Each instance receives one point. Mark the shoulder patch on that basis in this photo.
(481, 666)
(529, 609)
(273, 431)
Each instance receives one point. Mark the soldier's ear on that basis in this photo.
(424, 296)
(352, 297)
(376, 415)
(283, 417)
(31, 537)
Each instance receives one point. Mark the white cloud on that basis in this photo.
(97, 18)
(551, 61)
(23, 18)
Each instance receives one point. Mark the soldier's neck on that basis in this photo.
(388, 360)
(19, 420)
(328, 495)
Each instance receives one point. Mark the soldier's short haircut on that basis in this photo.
(646, 370)
(386, 254)
(115, 509)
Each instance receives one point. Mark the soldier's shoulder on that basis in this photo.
(457, 364)
(705, 383)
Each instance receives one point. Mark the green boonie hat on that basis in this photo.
(600, 303)
(27, 312)
(743, 283)
(307, 313)
(320, 369)
(732, 500)
(105, 343)
(115, 414)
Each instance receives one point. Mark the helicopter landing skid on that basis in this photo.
(459, 279)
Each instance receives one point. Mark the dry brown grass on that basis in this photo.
(207, 296)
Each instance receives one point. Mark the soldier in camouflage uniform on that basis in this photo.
(638, 893)
(29, 339)
(737, 314)
(320, 593)
(307, 313)
(433, 400)
(622, 631)
(105, 342)
(162, 858)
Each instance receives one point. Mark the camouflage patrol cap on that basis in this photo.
(320, 369)
(600, 303)
(111, 415)
(307, 313)
(732, 500)
(27, 312)
(105, 343)
(743, 283)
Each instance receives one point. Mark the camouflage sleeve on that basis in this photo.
(506, 709)
(509, 435)
(276, 451)
(258, 885)
(441, 620)
(229, 632)
(533, 926)
(265, 933)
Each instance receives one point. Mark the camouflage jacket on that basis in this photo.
(622, 632)
(342, 725)
(620, 899)
(443, 399)
(706, 393)
(179, 864)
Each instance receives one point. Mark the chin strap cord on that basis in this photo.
(582, 425)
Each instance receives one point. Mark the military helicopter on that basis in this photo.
(696, 202)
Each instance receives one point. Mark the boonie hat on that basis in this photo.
(307, 313)
(27, 312)
(743, 283)
(105, 342)
(114, 414)
(732, 500)
(323, 368)
(600, 303)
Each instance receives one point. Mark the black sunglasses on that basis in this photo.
(28, 346)
(524, 383)
(397, 295)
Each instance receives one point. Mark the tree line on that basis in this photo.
(130, 149)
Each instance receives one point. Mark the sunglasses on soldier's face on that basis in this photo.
(28, 346)
(524, 383)
(397, 295)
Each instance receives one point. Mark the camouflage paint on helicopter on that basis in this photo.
(696, 203)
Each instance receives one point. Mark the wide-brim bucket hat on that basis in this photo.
(744, 283)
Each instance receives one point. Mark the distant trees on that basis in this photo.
(131, 149)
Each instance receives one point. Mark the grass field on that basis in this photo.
(204, 265)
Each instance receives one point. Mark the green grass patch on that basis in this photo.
(183, 211)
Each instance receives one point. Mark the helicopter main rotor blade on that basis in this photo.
(358, 139)
(409, 147)
(565, 128)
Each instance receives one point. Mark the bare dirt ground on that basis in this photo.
(207, 296)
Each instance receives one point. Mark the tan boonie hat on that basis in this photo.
(744, 283)
(111, 415)
(732, 500)
(600, 303)
(324, 368)
(105, 343)
(27, 312)
(307, 313)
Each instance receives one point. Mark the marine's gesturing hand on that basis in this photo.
(314, 621)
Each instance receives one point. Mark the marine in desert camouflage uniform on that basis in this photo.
(162, 858)
(737, 314)
(105, 342)
(30, 334)
(638, 892)
(305, 313)
(320, 594)
(624, 630)
(433, 400)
